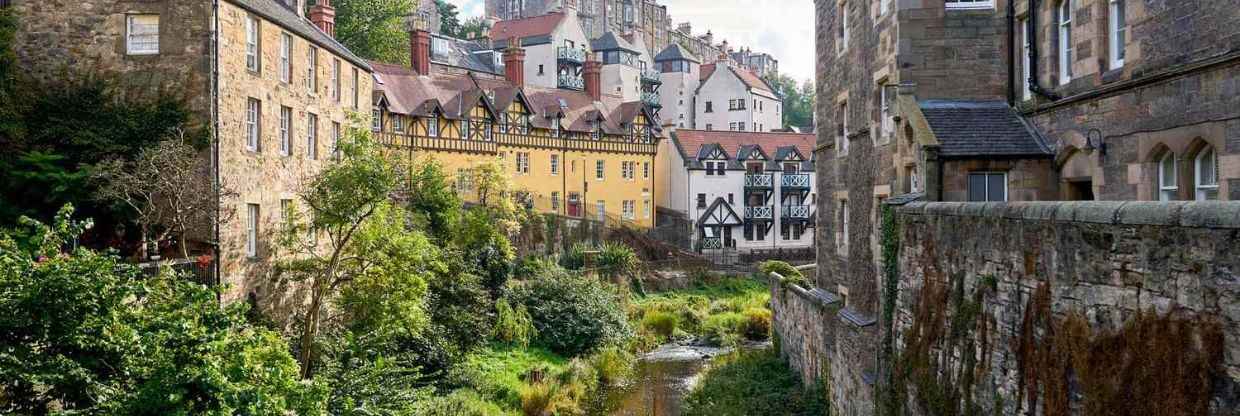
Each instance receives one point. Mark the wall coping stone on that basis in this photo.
(856, 318)
(1192, 214)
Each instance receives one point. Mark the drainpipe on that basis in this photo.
(1011, 53)
(1032, 34)
(215, 151)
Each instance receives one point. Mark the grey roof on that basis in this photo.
(525, 42)
(982, 128)
(289, 20)
(610, 42)
(786, 152)
(676, 52)
(470, 55)
(905, 199)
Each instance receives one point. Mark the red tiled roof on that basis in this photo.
(706, 71)
(752, 80)
(524, 28)
(691, 141)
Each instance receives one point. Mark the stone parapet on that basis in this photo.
(1204, 214)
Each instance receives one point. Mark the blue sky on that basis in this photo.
(783, 28)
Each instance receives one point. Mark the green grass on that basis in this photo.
(721, 313)
(496, 372)
(754, 383)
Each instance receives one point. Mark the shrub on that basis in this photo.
(613, 365)
(757, 326)
(538, 399)
(790, 274)
(575, 257)
(661, 323)
(513, 326)
(723, 329)
(754, 383)
(463, 402)
(573, 314)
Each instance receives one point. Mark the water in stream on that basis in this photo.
(661, 380)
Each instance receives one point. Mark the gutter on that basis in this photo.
(1032, 35)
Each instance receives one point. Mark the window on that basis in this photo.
(439, 49)
(741, 126)
(376, 120)
(883, 6)
(969, 4)
(1167, 178)
(841, 240)
(1065, 42)
(312, 70)
(464, 180)
(626, 170)
(628, 208)
(701, 201)
(523, 163)
(432, 126)
(286, 208)
(555, 201)
(253, 55)
(312, 136)
(710, 127)
(601, 210)
(356, 88)
(731, 126)
(286, 127)
(253, 118)
(335, 80)
(1205, 171)
(251, 230)
(540, 70)
(335, 140)
(842, 30)
(646, 208)
(987, 186)
(1026, 93)
(286, 63)
(645, 170)
(555, 164)
(841, 135)
(1118, 33)
(886, 125)
(142, 34)
(600, 169)
(716, 168)
(731, 200)
(398, 123)
(710, 107)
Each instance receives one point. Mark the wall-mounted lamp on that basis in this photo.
(1094, 141)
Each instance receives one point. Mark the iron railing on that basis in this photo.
(761, 180)
(794, 180)
(573, 55)
(759, 213)
(572, 82)
(712, 243)
(651, 76)
(798, 212)
(651, 98)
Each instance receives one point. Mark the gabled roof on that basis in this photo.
(706, 71)
(529, 27)
(610, 42)
(751, 152)
(675, 52)
(982, 128)
(732, 141)
(713, 151)
(720, 212)
(788, 153)
(469, 55)
(289, 20)
(752, 80)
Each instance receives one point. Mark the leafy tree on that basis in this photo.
(473, 28)
(573, 314)
(798, 101)
(82, 332)
(449, 19)
(375, 29)
(432, 199)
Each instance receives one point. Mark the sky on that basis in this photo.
(782, 28)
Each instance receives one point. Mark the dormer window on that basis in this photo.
(432, 125)
(596, 130)
(439, 49)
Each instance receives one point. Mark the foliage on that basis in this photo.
(10, 110)
(890, 403)
(461, 311)
(798, 101)
(375, 29)
(789, 273)
(661, 323)
(499, 372)
(367, 375)
(753, 384)
(723, 313)
(575, 257)
(432, 199)
(532, 266)
(573, 314)
(513, 326)
(616, 260)
(81, 331)
(613, 365)
(757, 326)
(490, 251)
(459, 403)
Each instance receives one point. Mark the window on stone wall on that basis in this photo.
(286, 127)
(336, 80)
(1117, 33)
(885, 123)
(356, 88)
(253, 53)
(988, 187)
(286, 53)
(1026, 93)
(841, 238)
(969, 4)
(251, 230)
(253, 120)
(312, 70)
(1167, 177)
(1205, 174)
(1065, 41)
(312, 136)
(841, 37)
(841, 134)
(142, 34)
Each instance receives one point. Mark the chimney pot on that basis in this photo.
(420, 51)
(323, 15)
(592, 74)
(514, 63)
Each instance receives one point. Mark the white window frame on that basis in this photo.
(1064, 24)
(886, 125)
(555, 164)
(842, 38)
(376, 120)
(646, 208)
(253, 124)
(286, 57)
(1026, 93)
(253, 51)
(600, 170)
(628, 208)
(601, 207)
(432, 126)
(555, 201)
(286, 131)
(336, 80)
(1168, 187)
(139, 38)
(987, 176)
(312, 70)
(1117, 32)
(969, 4)
(356, 89)
(841, 241)
(251, 230)
(523, 163)
(312, 136)
(335, 139)
(645, 170)
(1204, 189)
(398, 123)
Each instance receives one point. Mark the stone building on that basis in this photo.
(760, 63)
(1007, 100)
(597, 17)
(272, 85)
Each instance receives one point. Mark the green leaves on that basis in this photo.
(375, 29)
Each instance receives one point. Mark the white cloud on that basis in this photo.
(783, 28)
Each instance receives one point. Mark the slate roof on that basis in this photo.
(706, 71)
(469, 55)
(676, 52)
(747, 77)
(696, 145)
(610, 42)
(982, 128)
(530, 27)
(289, 20)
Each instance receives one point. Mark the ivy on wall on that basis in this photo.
(889, 403)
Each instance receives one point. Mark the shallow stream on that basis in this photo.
(661, 381)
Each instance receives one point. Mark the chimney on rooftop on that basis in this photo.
(592, 74)
(420, 51)
(323, 15)
(514, 63)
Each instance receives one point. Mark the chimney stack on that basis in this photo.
(514, 63)
(323, 15)
(593, 77)
(420, 51)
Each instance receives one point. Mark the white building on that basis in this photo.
(680, 76)
(736, 99)
(555, 46)
(625, 67)
(740, 190)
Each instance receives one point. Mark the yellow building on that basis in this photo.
(579, 154)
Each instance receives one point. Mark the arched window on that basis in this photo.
(1205, 174)
(1167, 187)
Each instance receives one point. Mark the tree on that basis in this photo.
(798, 102)
(82, 332)
(169, 189)
(449, 20)
(432, 200)
(375, 29)
(473, 28)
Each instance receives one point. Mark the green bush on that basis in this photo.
(757, 325)
(661, 323)
(782, 268)
(613, 365)
(463, 402)
(513, 326)
(723, 328)
(573, 314)
(575, 257)
(754, 384)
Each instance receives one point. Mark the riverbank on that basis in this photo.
(753, 382)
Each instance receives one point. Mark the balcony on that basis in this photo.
(712, 243)
(796, 212)
(759, 213)
(651, 77)
(571, 55)
(572, 82)
(651, 99)
(795, 181)
(758, 181)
